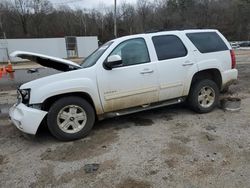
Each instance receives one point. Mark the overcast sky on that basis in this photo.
(89, 4)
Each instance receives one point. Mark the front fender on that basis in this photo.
(64, 86)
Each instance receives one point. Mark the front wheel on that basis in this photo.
(70, 118)
(204, 96)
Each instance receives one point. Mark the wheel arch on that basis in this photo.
(50, 101)
(212, 74)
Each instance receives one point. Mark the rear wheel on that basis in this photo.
(204, 96)
(70, 118)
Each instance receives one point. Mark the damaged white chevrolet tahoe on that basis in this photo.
(126, 75)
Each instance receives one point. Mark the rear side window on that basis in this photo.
(168, 47)
(207, 42)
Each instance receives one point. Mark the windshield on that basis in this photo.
(91, 59)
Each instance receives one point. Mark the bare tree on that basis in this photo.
(128, 18)
(143, 10)
(23, 10)
(40, 9)
(38, 18)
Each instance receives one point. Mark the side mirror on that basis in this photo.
(112, 61)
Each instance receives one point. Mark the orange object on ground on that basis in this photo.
(4, 70)
(12, 77)
(9, 67)
(1, 73)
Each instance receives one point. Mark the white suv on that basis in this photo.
(126, 75)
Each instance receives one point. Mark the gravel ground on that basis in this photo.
(166, 147)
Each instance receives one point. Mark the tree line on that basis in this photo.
(40, 18)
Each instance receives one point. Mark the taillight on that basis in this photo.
(233, 59)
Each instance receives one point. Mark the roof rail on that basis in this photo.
(171, 29)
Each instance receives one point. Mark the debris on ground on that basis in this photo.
(210, 137)
(90, 168)
(30, 71)
(211, 128)
(231, 104)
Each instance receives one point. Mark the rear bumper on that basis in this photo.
(229, 77)
(25, 118)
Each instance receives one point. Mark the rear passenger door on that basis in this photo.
(174, 62)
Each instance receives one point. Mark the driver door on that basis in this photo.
(134, 83)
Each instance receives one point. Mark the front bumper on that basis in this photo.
(25, 118)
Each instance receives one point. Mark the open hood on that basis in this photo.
(47, 61)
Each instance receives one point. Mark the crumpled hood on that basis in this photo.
(47, 61)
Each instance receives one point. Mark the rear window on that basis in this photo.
(168, 47)
(207, 42)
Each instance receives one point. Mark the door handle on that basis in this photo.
(147, 71)
(187, 63)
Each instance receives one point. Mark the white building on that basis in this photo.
(68, 47)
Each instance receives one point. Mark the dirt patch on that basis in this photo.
(177, 148)
(242, 86)
(79, 174)
(172, 163)
(2, 159)
(203, 170)
(69, 176)
(141, 121)
(132, 183)
(219, 152)
(167, 117)
(3, 93)
(7, 130)
(153, 172)
(246, 155)
(96, 144)
(181, 126)
(47, 178)
(205, 136)
(210, 137)
(183, 139)
(211, 128)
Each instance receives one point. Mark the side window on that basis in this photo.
(168, 47)
(133, 51)
(207, 42)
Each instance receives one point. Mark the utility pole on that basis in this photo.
(115, 24)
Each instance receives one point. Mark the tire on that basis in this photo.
(70, 118)
(203, 96)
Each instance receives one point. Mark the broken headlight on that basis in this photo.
(23, 96)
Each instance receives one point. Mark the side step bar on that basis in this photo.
(142, 108)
